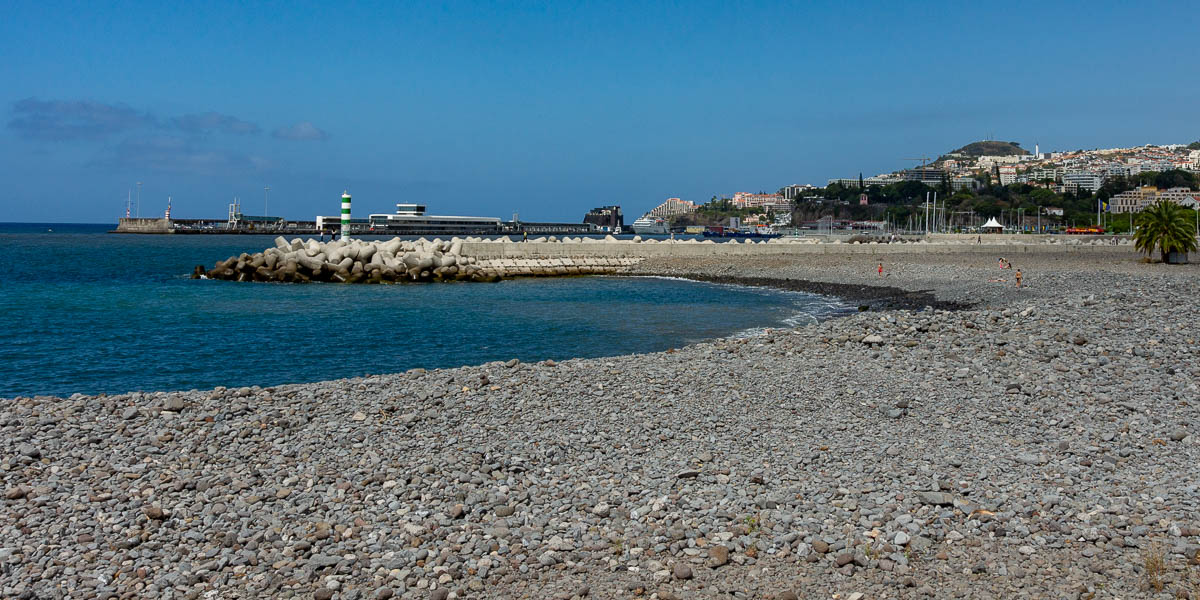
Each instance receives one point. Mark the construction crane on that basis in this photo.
(923, 159)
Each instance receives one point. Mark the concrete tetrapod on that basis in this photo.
(391, 261)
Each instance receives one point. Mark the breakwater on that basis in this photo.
(393, 261)
(487, 260)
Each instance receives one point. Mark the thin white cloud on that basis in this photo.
(61, 120)
(302, 131)
(207, 122)
(174, 154)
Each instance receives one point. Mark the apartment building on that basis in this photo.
(1087, 180)
(674, 207)
(772, 202)
(794, 191)
(1138, 199)
(988, 162)
(852, 182)
(1008, 174)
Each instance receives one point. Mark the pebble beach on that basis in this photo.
(958, 438)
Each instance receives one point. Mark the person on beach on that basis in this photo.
(525, 236)
(881, 269)
(1001, 262)
(1018, 276)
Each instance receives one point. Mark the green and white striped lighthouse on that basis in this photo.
(345, 215)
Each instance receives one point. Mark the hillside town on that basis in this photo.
(1023, 190)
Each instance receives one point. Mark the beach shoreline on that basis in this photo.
(1003, 443)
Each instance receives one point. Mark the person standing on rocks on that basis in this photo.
(881, 269)
(1018, 276)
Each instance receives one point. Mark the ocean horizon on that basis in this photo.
(84, 311)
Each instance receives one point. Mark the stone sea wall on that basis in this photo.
(394, 261)
(144, 225)
(478, 259)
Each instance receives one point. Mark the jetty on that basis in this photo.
(489, 260)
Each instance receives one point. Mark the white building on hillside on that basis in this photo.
(1138, 199)
(772, 202)
(1086, 180)
(673, 207)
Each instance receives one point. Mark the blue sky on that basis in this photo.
(551, 109)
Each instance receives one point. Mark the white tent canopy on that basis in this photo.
(992, 224)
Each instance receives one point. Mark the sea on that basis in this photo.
(86, 311)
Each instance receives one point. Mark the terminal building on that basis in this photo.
(410, 219)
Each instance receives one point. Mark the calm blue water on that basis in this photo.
(85, 311)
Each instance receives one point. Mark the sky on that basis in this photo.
(551, 109)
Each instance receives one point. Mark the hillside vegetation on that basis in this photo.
(988, 148)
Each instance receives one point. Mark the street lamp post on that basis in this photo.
(139, 200)
(266, 191)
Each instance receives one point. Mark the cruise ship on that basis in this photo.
(650, 224)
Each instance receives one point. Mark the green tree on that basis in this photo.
(1164, 227)
(1115, 185)
(913, 191)
(1043, 197)
(1145, 178)
(1194, 146)
(1175, 178)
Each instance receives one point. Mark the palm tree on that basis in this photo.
(1162, 226)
